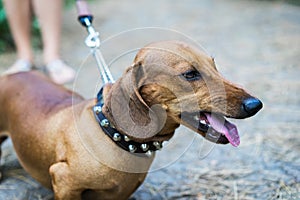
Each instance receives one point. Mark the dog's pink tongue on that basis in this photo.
(225, 127)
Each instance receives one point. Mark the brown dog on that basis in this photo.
(60, 143)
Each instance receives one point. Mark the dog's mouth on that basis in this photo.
(214, 127)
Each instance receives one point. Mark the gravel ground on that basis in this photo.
(255, 43)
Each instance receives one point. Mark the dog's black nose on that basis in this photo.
(252, 106)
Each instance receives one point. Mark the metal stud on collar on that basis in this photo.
(158, 145)
(145, 147)
(132, 148)
(117, 137)
(126, 138)
(97, 109)
(104, 123)
(149, 153)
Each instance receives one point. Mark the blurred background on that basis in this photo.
(255, 43)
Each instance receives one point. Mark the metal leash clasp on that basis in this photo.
(93, 39)
(93, 42)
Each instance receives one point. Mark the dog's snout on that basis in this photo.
(251, 106)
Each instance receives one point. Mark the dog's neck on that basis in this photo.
(120, 107)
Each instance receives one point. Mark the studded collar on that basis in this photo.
(120, 139)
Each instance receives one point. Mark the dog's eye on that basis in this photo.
(192, 75)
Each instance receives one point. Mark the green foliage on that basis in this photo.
(6, 41)
(69, 3)
(295, 2)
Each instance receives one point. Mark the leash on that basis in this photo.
(93, 40)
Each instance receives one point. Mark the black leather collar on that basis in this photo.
(120, 139)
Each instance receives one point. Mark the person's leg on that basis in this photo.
(49, 14)
(19, 18)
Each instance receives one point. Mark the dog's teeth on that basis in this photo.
(213, 134)
(203, 122)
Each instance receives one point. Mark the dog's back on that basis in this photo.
(18, 90)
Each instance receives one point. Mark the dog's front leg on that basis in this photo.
(62, 182)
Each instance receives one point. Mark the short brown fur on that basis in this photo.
(59, 142)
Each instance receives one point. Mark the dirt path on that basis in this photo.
(255, 43)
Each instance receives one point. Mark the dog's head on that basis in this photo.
(173, 83)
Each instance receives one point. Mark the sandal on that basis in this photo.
(60, 72)
(19, 66)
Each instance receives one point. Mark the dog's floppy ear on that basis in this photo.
(131, 114)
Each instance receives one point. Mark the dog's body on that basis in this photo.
(59, 142)
(41, 119)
